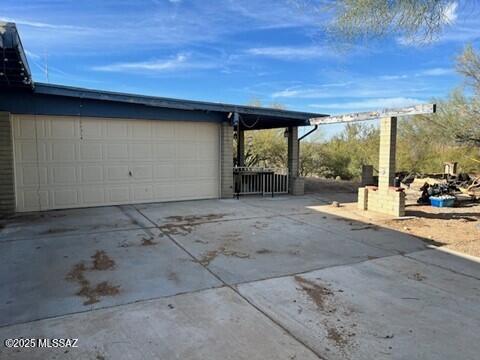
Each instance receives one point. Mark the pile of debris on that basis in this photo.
(441, 184)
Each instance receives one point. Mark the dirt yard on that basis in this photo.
(456, 228)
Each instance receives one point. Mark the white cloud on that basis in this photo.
(435, 72)
(44, 25)
(370, 104)
(394, 77)
(438, 71)
(179, 62)
(291, 52)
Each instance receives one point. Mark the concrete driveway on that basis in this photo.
(256, 278)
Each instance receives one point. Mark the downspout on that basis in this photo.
(308, 133)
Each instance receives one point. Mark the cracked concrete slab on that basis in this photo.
(369, 234)
(252, 249)
(212, 324)
(61, 275)
(72, 221)
(458, 262)
(285, 204)
(194, 212)
(394, 307)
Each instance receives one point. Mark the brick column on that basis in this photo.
(7, 187)
(388, 143)
(296, 184)
(226, 160)
(241, 147)
(293, 152)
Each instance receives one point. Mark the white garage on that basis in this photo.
(69, 147)
(73, 161)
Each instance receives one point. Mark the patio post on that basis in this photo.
(226, 160)
(296, 183)
(240, 147)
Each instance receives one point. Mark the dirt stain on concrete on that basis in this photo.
(366, 227)
(148, 242)
(183, 225)
(338, 337)
(264, 251)
(57, 231)
(172, 275)
(101, 262)
(176, 229)
(93, 293)
(417, 276)
(209, 256)
(195, 218)
(317, 293)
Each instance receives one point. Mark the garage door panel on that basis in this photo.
(64, 197)
(186, 150)
(91, 129)
(62, 152)
(164, 171)
(164, 191)
(93, 195)
(116, 151)
(165, 150)
(118, 173)
(142, 193)
(79, 162)
(63, 175)
(91, 152)
(142, 172)
(118, 194)
(163, 130)
(206, 151)
(63, 128)
(26, 151)
(141, 152)
(24, 128)
(117, 129)
(92, 174)
(141, 130)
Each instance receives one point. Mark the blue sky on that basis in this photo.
(234, 51)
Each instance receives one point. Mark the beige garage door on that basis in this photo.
(67, 162)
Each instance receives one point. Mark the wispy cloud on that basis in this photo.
(291, 52)
(179, 62)
(370, 104)
(437, 71)
(44, 25)
(394, 77)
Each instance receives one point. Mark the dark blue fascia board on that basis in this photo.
(57, 100)
(22, 102)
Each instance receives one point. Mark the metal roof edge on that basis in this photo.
(192, 105)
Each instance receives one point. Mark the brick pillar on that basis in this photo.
(241, 147)
(7, 187)
(388, 143)
(296, 184)
(226, 160)
(293, 152)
